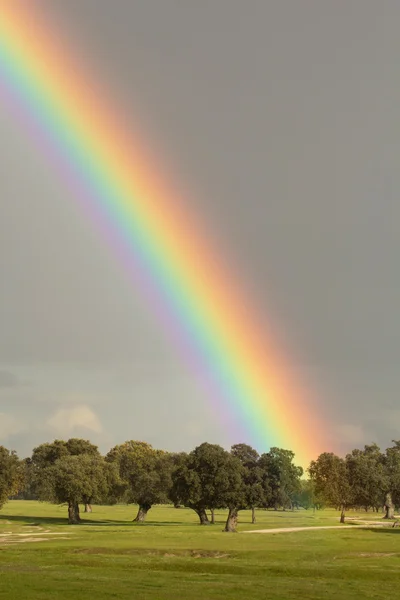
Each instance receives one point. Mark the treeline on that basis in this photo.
(75, 473)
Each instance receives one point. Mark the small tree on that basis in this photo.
(332, 480)
(281, 477)
(306, 497)
(252, 477)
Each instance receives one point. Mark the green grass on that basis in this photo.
(171, 557)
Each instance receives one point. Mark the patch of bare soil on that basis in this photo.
(9, 538)
(291, 529)
(368, 555)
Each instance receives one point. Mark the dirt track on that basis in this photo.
(341, 527)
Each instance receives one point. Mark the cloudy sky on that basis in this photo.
(280, 120)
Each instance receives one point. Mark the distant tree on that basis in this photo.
(331, 477)
(145, 472)
(178, 459)
(306, 496)
(11, 474)
(210, 478)
(25, 491)
(252, 477)
(281, 477)
(367, 476)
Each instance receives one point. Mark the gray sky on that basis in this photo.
(280, 121)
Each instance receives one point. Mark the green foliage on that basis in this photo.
(392, 466)
(331, 476)
(307, 496)
(145, 473)
(281, 477)
(368, 477)
(11, 474)
(252, 476)
(75, 479)
(247, 455)
(209, 478)
(69, 472)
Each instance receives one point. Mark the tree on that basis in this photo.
(252, 477)
(281, 477)
(10, 474)
(25, 491)
(306, 497)
(367, 476)
(331, 477)
(146, 474)
(70, 471)
(74, 478)
(210, 478)
(77, 447)
(392, 469)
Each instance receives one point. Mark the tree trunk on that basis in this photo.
(212, 516)
(389, 507)
(88, 508)
(142, 513)
(253, 515)
(201, 513)
(73, 513)
(343, 515)
(231, 521)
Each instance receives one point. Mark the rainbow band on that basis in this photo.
(154, 235)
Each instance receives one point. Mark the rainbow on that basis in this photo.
(153, 233)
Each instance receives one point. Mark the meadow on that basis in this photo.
(171, 556)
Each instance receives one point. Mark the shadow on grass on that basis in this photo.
(384, 529)
(30, 521)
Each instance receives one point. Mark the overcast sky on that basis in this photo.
(281, 120)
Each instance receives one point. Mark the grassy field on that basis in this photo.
(171, 557)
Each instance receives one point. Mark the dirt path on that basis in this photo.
(341, 527)
(8, 538)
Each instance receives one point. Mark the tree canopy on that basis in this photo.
(145, 474)
(70, 472)
(208, 478)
